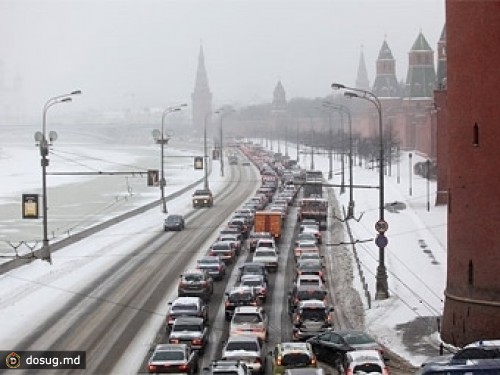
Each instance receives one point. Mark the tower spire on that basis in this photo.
(362, 81)
(201, 97)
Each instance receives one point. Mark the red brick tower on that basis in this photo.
(472, 306)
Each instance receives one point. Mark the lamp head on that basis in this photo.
(65, 100)
(338, 86)
(350, 94)
(76, 92)
(156, 134)
(38, 136)
(52, 136)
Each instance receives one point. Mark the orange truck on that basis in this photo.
(268, 221)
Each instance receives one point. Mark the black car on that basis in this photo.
(173, 222)
(331, 346)
(240, 296)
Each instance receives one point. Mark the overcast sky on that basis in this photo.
(144, 53)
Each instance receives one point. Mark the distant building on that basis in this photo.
(472, 295)
(362, 81)
(278, 115)
(201, 97)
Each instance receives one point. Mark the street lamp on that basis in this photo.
(224, 111)
(344, 109)
(205, 160)
(44, 144)
(382, 289)
(162, 139)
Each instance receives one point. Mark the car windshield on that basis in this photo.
(187, 327)
(265, 244)
(313, 314)
(184, 307)
(246, 318)
(242, 345)
(311, 294)
(265, 253)
(295, 359)
(193, 277)
(221, 246)
(208, 261)
(173, 219)
(168, 355)
(369, 368)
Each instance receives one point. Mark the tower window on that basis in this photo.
(471, 274)
(475, 135)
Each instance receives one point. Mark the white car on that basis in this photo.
(248, 350)
(267, 256)
(249, 321)
(365, 362)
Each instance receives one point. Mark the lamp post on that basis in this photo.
(162, 139)
(223, 112)
(410, 173)
(344, 109)
(44, 144)
(382, 289)
(205, 161)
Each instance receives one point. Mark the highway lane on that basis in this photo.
(104, 320)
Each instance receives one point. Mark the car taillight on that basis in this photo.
(211, 253)
(174, 341)
(152, 368)
(278, 361)
(385, 371)
(226, 303)
(313, 361)
(183, 367)
(170, 319)
(197, 342)
(349, 372)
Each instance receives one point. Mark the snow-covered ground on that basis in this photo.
(415, 255)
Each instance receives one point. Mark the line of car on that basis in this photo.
(243, 353)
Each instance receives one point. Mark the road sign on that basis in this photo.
(381, 240)
(381, 226)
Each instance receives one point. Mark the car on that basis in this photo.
(307, 236)
(191, 331)
(332, 346)
(304, 247)
(266, 256)
(249, 213)
(483, 349)
(252, 268)
(173, 222)
(225, 250)
(226, 367)
(246, 349)
(288, 355)
(212, 264)
(266, 243)
(195, 283)
(186, 306)
(173, 358)
(468, 367)
(254, 237)
(315, 256)
(239, 296)
(202, 198)
(309, 222)
(249, 320)
(232, 231)
(305, 293)
(257, 283)
(311, 267)
(233, 239)
(311, 317)
(308, 280)
(365, 362)
(314, 230)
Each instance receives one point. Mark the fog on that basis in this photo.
(131, 55)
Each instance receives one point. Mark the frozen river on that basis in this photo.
(78, 202)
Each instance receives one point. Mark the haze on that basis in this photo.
(127, 55)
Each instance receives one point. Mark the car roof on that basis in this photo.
(311, 303)
(193, 271)
(165, 347)
(188, 320)
(248, 309)
(252, 276)
(365, 355)
(187, 300)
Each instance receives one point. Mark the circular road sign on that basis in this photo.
(381, 240)
(381, 226)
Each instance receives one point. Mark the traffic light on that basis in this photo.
(198, 162)
(153, 177)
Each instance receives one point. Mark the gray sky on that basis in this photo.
(143, 53)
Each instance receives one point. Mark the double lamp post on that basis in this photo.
(44, 144)
(382, 289)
